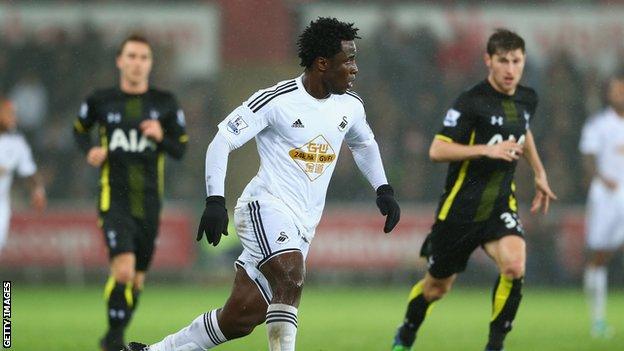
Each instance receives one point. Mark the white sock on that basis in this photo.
(202, 334)
(596, 290)
(281, 325)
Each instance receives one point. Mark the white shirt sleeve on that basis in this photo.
(590, 137)
(235, 130)
(242, 124)
(26, 166)
(216, 165)
(361, 142)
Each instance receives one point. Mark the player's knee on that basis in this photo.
(124, 274)
(288, 288)
(435, 291)
(513, 269)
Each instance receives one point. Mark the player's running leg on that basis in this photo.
(137, 287)
(420, 301)
(595, 283)
(509, 253)
(285, 273)
(119, 297)
(603, 237)
(244, 310)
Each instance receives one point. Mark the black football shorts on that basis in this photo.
(126, 233)
(450, 244)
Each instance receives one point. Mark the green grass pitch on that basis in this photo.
(336, 318)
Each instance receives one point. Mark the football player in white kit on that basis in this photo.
(16, 158)
(602, 144)
(299, 126)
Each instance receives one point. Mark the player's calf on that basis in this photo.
(421, 299)
(120, 300)
(244, 310)
(237, 320)
(286, 274)
(506, 299)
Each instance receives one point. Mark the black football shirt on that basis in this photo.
(132, 177)
(475, 189)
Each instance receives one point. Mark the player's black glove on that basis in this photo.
(388, 206)
(214, 221)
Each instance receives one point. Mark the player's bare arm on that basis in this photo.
(38, 198)
(445, 151)
(543, 193)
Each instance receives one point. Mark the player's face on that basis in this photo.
(506, 69)
(135, 62)
(616, 94)
(7, 116)
(342, 69)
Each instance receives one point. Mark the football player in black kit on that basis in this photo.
(137, 125)
(483, 135)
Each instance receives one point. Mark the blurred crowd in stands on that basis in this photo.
(408, 80)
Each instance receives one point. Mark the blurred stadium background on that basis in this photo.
(414, 59)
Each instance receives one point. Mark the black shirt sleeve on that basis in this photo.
(459, 120)
(175, 138)
(83, 124)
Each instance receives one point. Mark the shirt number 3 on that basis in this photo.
(511, 221)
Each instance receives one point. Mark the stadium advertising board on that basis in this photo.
(69, 239)
(348, 239)
(352, 239)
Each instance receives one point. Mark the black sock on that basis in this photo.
(416, 312)
(120, 305)
(136, 293)
(135, 303)
(505, 302)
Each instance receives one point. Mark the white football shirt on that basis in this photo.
(603, 137)
(298, 139)
(15, 157)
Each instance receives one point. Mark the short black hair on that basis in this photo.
(323, 38)
(504, 40)
(133, 37)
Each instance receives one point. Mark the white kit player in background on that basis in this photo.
(299, 126)
(15, 157)
(602, 144)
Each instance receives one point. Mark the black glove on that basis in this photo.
(388, 206)
(214, 221)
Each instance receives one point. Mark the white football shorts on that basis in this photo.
(605, 218)
(266, 229)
